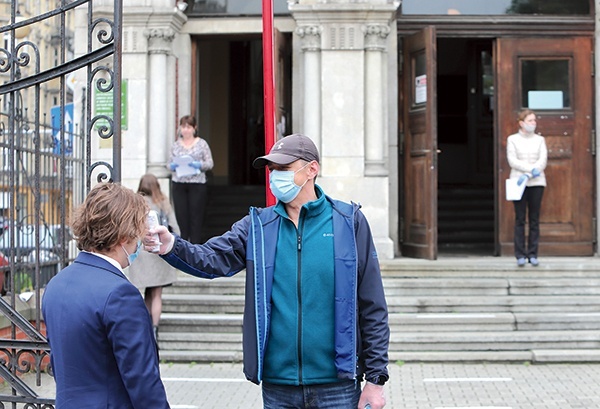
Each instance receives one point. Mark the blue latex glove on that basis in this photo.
(173, 166)
(522, 179)
(535, 172)
(196, 164)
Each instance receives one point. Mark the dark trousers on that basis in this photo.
(531, 203)
(189, 200)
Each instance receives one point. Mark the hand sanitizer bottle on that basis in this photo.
(152, 223)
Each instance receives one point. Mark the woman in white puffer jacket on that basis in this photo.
(527, 156)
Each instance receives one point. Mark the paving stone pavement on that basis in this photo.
(412, 386)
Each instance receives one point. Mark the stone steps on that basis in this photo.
(234, 304)
(534, 356)
(456, 309)
(538, 303)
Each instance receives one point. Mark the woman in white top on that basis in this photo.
(189, 191)
(527, 156)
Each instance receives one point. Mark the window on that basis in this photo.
(545, 84)
(234, 7)
(419, 69)
(496, 7)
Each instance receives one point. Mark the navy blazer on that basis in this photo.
(103, 351)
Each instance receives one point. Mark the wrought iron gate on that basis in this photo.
(57, 94)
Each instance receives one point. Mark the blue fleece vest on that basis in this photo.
(301, 345)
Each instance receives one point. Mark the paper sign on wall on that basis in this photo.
(421, 89)
(545, 99)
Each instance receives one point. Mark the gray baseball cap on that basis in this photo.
(289, 149)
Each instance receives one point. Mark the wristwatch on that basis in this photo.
(378, 379)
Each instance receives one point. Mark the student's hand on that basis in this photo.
(522, 179)
(196, 164)
(165, 240)
(535, 172)
(173, 166)
(372, 395)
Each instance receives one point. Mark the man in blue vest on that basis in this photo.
(315, 318)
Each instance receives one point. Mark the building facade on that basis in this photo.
(410, 104)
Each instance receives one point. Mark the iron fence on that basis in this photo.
(47, 122)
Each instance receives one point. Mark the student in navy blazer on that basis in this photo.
(103, 351)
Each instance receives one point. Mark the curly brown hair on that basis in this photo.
(109, 215)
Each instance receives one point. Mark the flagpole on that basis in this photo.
(268, 85)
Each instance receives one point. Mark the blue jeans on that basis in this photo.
(338, 395)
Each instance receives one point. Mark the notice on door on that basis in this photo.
(421, 89)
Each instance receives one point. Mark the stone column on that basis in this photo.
(344, 61)
(159, 46)
(375, 101)
(311, 46)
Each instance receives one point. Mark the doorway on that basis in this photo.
(229, 104)
(465, 115)
(460, 101)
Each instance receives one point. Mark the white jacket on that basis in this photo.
(524, 153)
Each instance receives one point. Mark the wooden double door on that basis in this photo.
(551, 76)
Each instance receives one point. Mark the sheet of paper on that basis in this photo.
(514, 191)
(184, 168)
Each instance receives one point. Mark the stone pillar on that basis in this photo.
(375, 99)
(349, 60)
(159, 46)
(311, 46)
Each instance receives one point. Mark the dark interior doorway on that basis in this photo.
(465, 98)
(246, 111)
(230, 111)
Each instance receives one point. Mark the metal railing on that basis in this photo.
(47, 123)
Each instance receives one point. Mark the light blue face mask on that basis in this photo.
(131, 257)
(283, 186)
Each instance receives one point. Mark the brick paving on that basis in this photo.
(412, 386)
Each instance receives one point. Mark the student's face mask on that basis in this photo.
(131, 257)
(529, 128)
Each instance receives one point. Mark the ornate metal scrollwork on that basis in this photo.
(103, 36)
(102, 177)
(101, 83)
(5, 60)
(41, 163)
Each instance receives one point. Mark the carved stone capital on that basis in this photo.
(342, 36)
(376, 36)
(311, 37)
(159, 40)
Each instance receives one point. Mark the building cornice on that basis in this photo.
(497, 26)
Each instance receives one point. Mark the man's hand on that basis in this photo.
(535, 172)
(165, 239)
(372, 395)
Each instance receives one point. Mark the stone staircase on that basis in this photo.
(452, 309)
(466, 219)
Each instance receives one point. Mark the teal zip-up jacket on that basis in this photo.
(301, 347)
(361, 317)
